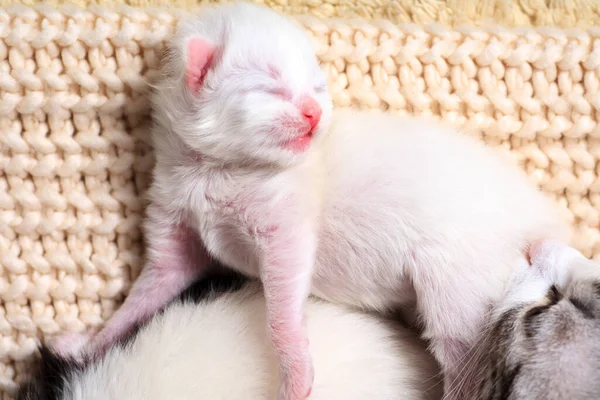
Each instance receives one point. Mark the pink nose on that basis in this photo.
(311, 110)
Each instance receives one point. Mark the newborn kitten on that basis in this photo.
(212, 345)
(373, 210)
(542, 342)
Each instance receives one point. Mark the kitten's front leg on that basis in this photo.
(287, 260)
(174, 258)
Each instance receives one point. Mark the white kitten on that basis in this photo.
(215, 347)
(372, 210)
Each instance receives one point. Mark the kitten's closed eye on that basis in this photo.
(280, 92)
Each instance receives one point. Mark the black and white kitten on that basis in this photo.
(542, 342)
(211, 344)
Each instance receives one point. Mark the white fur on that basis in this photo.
(380, 212)
(219, 350)
(561, 264)
(249, 39)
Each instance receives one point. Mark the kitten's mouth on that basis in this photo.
(299, 144)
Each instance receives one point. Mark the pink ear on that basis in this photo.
(199, 56)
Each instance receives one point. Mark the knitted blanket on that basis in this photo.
(75, 155)
(509, 13)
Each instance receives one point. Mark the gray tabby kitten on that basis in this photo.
(543, 339)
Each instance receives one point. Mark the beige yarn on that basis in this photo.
(75, 157)
(559, 13)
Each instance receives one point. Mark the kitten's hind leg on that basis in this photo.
(453, 309)
(174, 258)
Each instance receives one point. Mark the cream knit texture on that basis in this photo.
(559, 13)
(75, 157)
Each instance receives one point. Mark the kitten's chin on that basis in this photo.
(299, 144)
(291, 158)
(277, 157)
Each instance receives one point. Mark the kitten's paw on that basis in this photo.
(297, 380)
(560, 263)
(547, 251)
(550, 256)
(70, 344)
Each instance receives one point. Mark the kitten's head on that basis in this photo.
(544, 337)
(243, 85)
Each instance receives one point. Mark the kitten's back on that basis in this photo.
(440, 180)
(429, 162)
(411, 197)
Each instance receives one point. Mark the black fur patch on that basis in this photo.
(530, 323)
(504, 385)
(223, 281)
(583, 308)
(53, 371)
(554, 295)
(49, 380)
